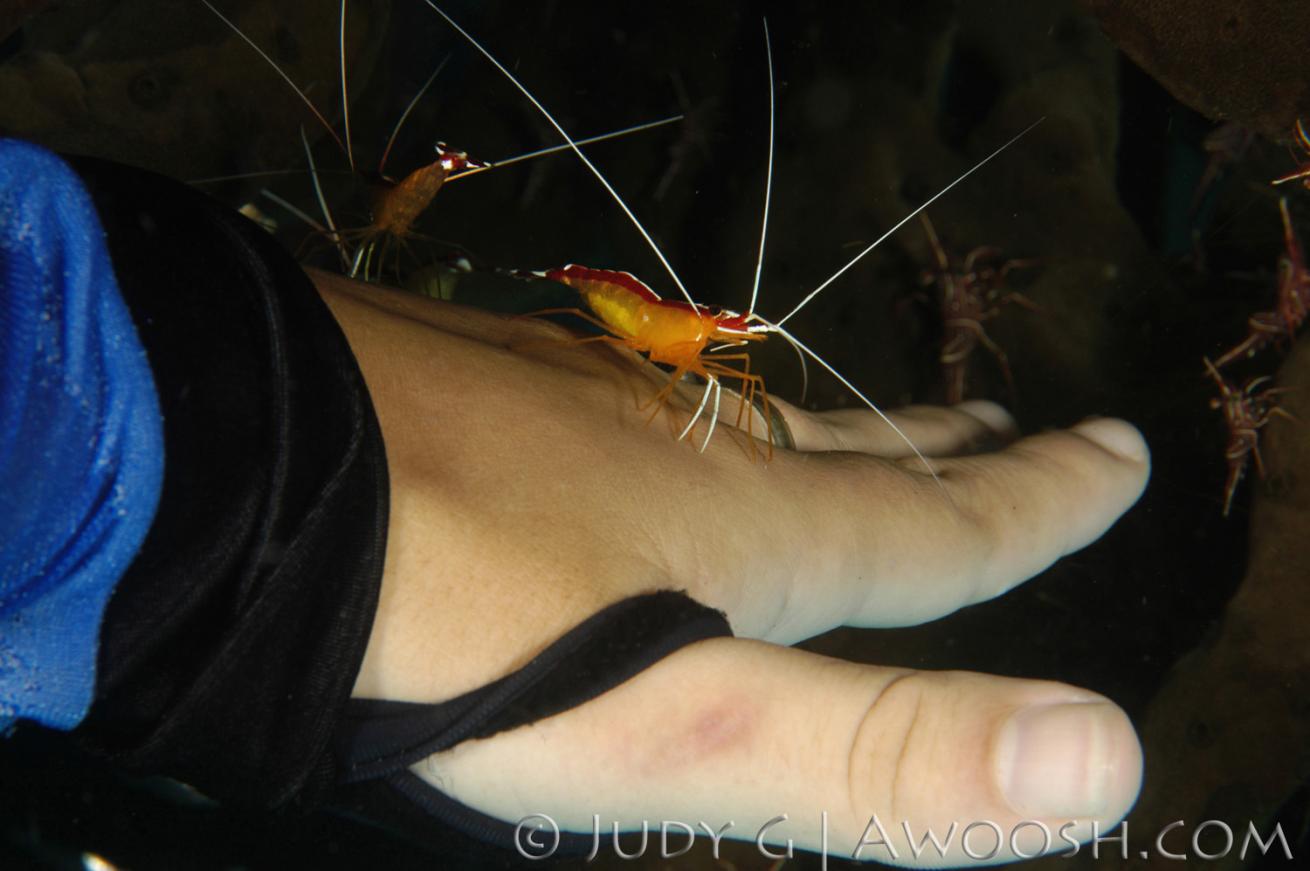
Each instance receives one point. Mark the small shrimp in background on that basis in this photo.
(970, 294)
(396, 204)
(1246, 411)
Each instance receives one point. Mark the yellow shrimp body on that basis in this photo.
(669, 331)
(672, 332)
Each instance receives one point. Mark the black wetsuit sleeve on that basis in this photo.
(230, 646)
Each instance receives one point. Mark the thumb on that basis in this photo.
(925, 768)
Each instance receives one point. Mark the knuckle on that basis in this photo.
(885, 749)
(981, 526)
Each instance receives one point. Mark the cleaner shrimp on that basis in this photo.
(397, 204)
(678, 332)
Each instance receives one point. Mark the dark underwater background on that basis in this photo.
(1155, 237)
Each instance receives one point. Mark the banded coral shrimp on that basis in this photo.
(676, 332)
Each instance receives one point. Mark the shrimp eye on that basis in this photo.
(452, 160)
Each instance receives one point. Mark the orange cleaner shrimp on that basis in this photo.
(397, 205)
(674, 333)
(677, 332)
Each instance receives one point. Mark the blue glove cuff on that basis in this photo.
(81, 438)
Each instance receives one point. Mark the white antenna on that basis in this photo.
(473, 170)
(322, 201)
(555, 149)
(345, 98)
(279, 71)
(768, 179)
(395, 131)
(578, 151)
(796, 343)
(903, 221)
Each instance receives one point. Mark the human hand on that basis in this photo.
(528, 493)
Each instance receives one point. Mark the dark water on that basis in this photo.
(878, 107)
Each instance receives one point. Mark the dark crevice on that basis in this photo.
(969, 90)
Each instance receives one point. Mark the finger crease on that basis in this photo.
(902, 753)
(851, 765)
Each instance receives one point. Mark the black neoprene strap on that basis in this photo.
(380, 737)
(380, 740)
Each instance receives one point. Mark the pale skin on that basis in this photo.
(528, 492)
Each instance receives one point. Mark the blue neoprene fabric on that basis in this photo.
(81, 438)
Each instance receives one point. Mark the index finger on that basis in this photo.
(884, 544)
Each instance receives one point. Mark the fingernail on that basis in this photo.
(1059, 760)
(993, 416)
(1116, 436)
